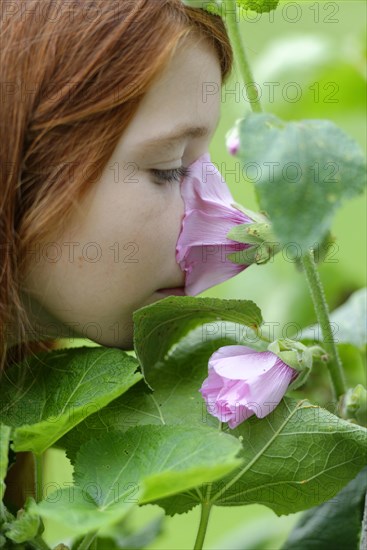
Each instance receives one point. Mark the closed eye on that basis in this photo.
(171, 176)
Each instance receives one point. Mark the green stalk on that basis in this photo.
(206, 507)
(38, 475)
(321, 308)
(87, 541)
(38, 544)
(363, 543)
(240, 54)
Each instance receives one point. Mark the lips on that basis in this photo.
(177, 291)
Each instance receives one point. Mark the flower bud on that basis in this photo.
(354, 405)
(233, 141)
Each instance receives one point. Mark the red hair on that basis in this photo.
(72, 77)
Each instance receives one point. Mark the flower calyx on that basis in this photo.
(258, 234)
(298, 356)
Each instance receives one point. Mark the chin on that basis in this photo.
(177, 291)
(122, 337)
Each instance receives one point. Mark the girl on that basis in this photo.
(104, 107)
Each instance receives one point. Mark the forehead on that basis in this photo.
(184, 98)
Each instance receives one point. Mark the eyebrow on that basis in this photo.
(181, 133)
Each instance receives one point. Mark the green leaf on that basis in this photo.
(159, 326)
(296, 457)
(143, 464)
(348, 322)
(179, 504)
(335, 523)
(4, 450)
(311, 163)
(131, 540)
(26, 526)
(212, 6)
(260, 6)
(218, 8)
(176, 382)
(47, 395)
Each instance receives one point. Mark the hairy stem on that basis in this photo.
(363, 543)
(38, 476)
(231, 15)
(206, 507)
(321, 308)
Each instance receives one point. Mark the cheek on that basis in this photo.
(160, 216)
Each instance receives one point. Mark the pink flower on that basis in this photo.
(202, 246)
(243, 382)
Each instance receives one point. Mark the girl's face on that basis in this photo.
(119, 250)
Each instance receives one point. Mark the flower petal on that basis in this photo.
(209, 215)
(209, 227)
(269, 389)
(202, 275)
(245, 366)
(205, 183)
(242, 382)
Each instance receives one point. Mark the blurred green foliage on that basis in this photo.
(305, 65)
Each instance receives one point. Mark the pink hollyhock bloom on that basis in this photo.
(202, 245)
(243, 382)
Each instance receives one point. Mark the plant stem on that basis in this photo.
(206, 507)
(319, 301)
(38, 475)
(363, 543)
(38, 544)
(205, 513)
(87, 541)
(240, 54)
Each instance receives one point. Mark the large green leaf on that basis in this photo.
(176, 382)
(47, 395)
(120, 537)
(159, 326)
(348, 322)
(335, 523)
(303, 171)
(296, 457)
(145, 463)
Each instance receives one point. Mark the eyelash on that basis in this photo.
(172, 176)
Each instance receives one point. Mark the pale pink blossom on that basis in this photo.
(243, 382)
